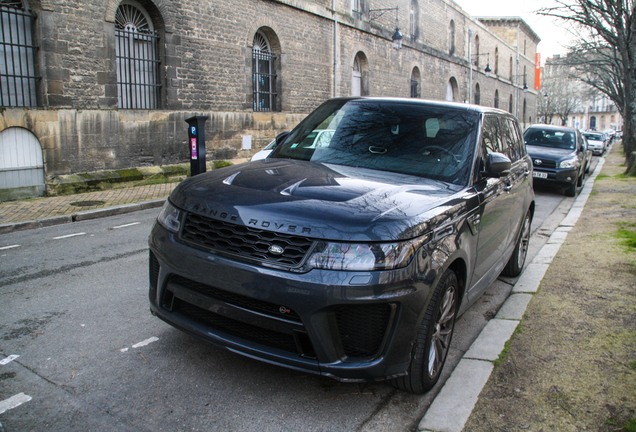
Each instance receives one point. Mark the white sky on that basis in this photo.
(553, 33)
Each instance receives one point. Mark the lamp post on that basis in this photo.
(515, 83)
(487, 70)
(546, 107)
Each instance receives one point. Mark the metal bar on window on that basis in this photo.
(138, 79)
(18, 77)
(264, 81)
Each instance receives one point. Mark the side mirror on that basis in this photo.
(497, 165)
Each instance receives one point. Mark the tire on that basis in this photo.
(433, 338)
(571, 189)
(579, 179)
(517, 260)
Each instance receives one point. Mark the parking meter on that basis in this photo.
(196, 142)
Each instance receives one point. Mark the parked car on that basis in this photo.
(559, 155)
(315, 139)
(596, 142)
(350, 257)
(264, 152)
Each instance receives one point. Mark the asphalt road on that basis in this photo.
(80, 351)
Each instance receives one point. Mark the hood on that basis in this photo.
(317, 200)
(550, 152)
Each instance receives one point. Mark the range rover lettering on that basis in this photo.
(350, 250)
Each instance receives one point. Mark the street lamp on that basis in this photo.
(525, 82)
(546, 107)
(397, 35)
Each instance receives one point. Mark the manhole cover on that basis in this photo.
(87, 203)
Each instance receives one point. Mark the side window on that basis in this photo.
(511, 140)
(519, 139)
(491, 138)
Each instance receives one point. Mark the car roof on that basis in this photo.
(552, 127)
(431, 102)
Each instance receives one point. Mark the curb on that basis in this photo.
(80, 216)
(462, 389)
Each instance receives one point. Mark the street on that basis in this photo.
(79, 349)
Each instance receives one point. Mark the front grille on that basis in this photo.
(278, 311)
(362, 328)
(244, 242)
(545, 163)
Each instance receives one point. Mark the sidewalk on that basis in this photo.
(40, 212)
(561, 353)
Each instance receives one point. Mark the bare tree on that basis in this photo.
(605, 55)
(561, 90)
(561, 97)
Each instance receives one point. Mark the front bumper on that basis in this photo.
(351, 326)
(555, 176)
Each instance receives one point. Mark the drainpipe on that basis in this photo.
(335, 50)
(470, 66)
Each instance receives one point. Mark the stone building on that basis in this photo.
(566, 100)
(90, 85)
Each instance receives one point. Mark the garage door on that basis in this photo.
(21, 166)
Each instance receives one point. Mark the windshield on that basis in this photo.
(594, 137)
(431, 141)
(550, 138)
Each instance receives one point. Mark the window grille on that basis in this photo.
(415, 89)
(18, 78)
(136, 53)
(263, 75)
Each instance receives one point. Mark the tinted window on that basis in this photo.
(555, 138)
(491, 136)
(432, 141)
(511, 139)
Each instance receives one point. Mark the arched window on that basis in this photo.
(496, 98)
(263, 74)
(416, 90)
(452, 90)
(359, 84)
(18, 76)
(414, 17)
(510, 106)
(477, 96)
(137, 58)
(451, 37)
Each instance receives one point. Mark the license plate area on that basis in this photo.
(540, 175)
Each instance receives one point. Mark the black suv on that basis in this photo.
(559, 155)
(352, 248)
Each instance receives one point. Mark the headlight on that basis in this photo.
(364, 256)
(569, 163)
(170, 217)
